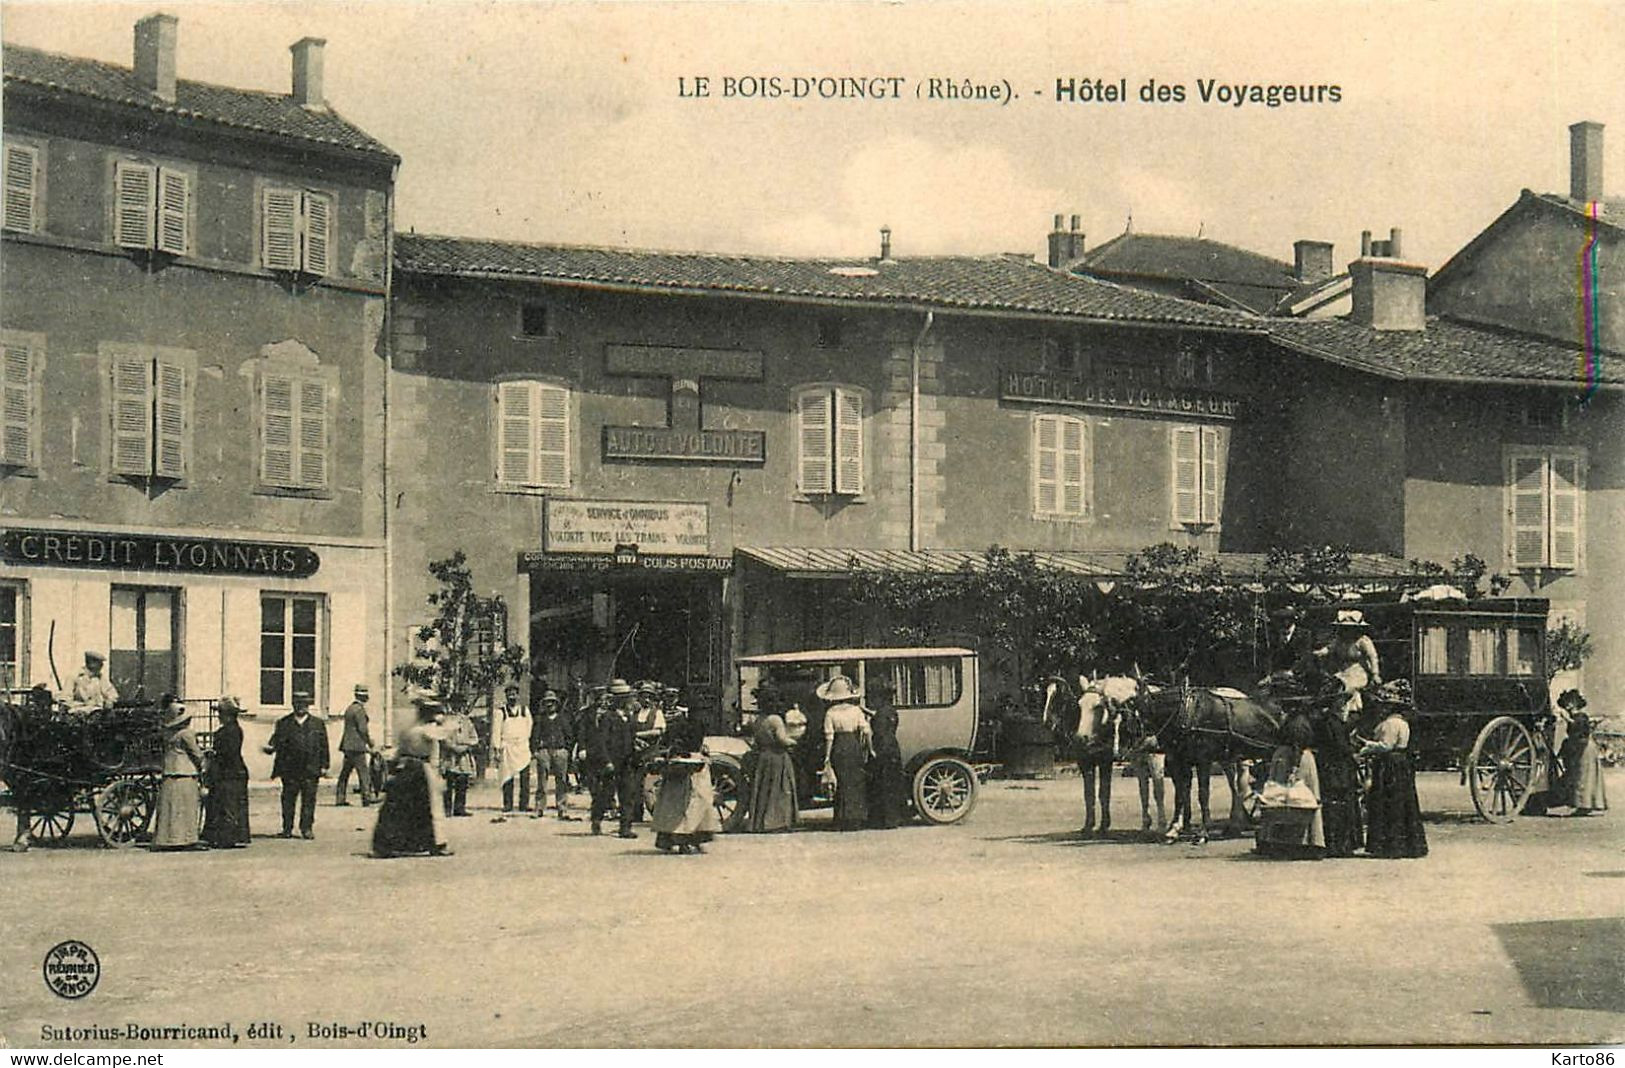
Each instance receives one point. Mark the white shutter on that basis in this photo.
(814, 422)
(1072, 461)
(1526, 509)
(1046, 464)
(132, 415)
(1187, 474)
(22, 188)
(318, 232)
(17, 406)
(313, 450)
(174, 397)
(848, 441)
(279, 230)
(174, 197)
(1210, 474)
(1566, 484)
(134, 201)
(516, 433)
(552, 436)
(276, 430)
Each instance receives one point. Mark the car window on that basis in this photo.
(921, 682)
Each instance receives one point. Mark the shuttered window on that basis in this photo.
(152, 207)
(1545, 491)
(295, 431)
(22, 187)
(296, 231)
(1196, 475)
(19, 403)
(150, 421)
(532, 434)
(1060, 463)
(829, 441)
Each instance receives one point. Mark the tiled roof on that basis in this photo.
(1105, 564)
(1612, 213)
(971, 283)
(1446, 349)
(1167, 256)
(241, 109)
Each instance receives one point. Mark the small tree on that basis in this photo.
(464, 653)
(1567, 648)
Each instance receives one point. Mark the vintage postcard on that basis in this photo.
(909, 525)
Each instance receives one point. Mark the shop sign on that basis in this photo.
(670, 443)
(530, 562)
(1117, 394)
(613, 528)
(684, 437)
(157, 553)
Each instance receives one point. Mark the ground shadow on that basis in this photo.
(1569, 964)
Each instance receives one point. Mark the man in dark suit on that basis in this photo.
(611, 741)
(356, 745)
(300, 744)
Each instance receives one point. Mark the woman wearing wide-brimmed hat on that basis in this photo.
(1581, 785)
(847, 741)
(409, 821)
(1393, 814)
(225, 819)
(175, 816)
(1351, 659)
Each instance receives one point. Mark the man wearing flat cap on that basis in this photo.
(91, 689)
(299, 741)
(356, 745)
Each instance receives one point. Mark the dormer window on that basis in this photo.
(296, 231)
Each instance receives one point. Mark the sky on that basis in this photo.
(578, 122)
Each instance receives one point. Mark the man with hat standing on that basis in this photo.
(356, 745)
(510, 741)
(551, 740)
(649, 725)
(91, 690)
(299, 741)
(611, 741)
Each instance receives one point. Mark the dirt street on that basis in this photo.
(1006, 929)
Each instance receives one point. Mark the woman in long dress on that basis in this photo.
(1290, 821)
(1339, 774)
(1582, 765)
(1393, 814)
(685, 814)
(772, 802)
(175, 817)
(409, 820)
(847, 740)
(885, 772)
(225, 821)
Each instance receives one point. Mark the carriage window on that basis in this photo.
(290, 632)
(1523, 651)
(933, 683)
(1435, 651)
(1483, 649)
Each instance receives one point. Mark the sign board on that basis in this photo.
(611, 527)
(684, 437)
(156, 553)
(1117, 395)
(531, 562)
(698, 446)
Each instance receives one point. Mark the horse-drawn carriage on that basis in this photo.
(59, 762)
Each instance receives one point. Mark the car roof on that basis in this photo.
(818, 656)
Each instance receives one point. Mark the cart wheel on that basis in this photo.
(944, 790)
(124, 811)
(50, 827)
(728, 789)
(1501, 768)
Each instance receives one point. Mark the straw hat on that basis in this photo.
(1351, 618)
(178, 718)
(840, 688)
(619, 688)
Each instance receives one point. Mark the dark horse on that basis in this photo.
(1088, 727)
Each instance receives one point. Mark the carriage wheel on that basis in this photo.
(728, 790)
(944, 790)
(124, 811)
(1501, 768)
(50, 826)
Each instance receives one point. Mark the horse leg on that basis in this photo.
(1204, 787)
(1086, 770)
(1180, 771)
(1105, 794)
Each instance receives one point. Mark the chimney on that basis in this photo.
(1585, 161)
(1313, 260)
(885, 244)
(307, 72)
(155, 55)
(1066, 246)
(1388, 293)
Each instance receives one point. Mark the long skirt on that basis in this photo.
(1292, 833)
(409, 818)
(174, 818)
(1340, 803)
(772, 804)
(685, 808)
(886, 791)
(847, 756)
(225, 818)
(1584, 781)
(1393, 815)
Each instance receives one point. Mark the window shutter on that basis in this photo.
(515, 433)
(1187, 474)
(279, 230)
(22, 188)
(135, 192)
(313, 449)
(318, 232)
(1046, 464)
(276, 430)
(1527, 510)
(1210, 474)
(1566, 488)
(132, 415)
(848, 441)
(17, 406)
(1072, 461)
(552, 436)
(174, 196)
(174, 395)
(815, 425)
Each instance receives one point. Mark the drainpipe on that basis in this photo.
(389, 444)
(914, 435)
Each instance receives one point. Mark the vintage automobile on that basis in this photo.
(936, 701)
